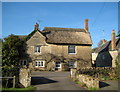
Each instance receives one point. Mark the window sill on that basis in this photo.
(72, 53)
(40, 66)
(37, 52)
(57, 67)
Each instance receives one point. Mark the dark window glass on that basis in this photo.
(36, 64)
(71, 64)
(24, 62)
(41, 63)
(71, 49)
(57, 64)
(37, 49)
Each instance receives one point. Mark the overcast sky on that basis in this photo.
(19, 18)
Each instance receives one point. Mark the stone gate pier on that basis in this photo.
(25, 77)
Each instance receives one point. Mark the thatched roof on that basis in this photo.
(107, 46)
(67, 36)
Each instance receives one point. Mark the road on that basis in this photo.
(54, 81)
(110, 85)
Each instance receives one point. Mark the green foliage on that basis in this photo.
(117, 61)
(30, 88)
(94, 49)
(118, 35)
(101, 73)
(80, 83)
(28, 37)
(12, 52)
(77, 81)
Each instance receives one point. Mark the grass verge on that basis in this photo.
(19, 89)
(93, 88)
(80, 83)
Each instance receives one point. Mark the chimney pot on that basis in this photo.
(86, 25)
(104, 41)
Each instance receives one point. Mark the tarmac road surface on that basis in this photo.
(44, 80)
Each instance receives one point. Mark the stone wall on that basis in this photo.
(114, 55)
(91, 82)
(25, 77)
(100, 72)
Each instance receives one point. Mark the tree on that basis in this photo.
(118, 35)
(12, 52)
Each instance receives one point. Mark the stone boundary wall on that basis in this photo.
(97, 68)
(99, 72)
(90, 81)
(25, 77)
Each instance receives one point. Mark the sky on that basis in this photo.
(19, 18)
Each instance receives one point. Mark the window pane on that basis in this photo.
(71, 64)
(71, 49)
(36, 63)
(24, 62)
(57, 64)
(37, 48)
(41, 63)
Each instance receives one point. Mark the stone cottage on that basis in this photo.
(107, 54)
(56, 48)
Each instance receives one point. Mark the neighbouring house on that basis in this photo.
(107, 54)
(56, 48)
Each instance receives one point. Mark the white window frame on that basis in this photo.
(36, 47)
(59, 64)
(75, 49)
(74, 64)
(22, 62)
(39, 62)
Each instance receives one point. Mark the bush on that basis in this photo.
(103, 73)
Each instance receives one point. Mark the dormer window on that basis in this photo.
(71, 49)
(37, 49)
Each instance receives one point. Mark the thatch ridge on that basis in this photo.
(63, 29)
(66, 35)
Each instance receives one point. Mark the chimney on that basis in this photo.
(36, 26)
(113, 40)
(86, 25)
(104, 41)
